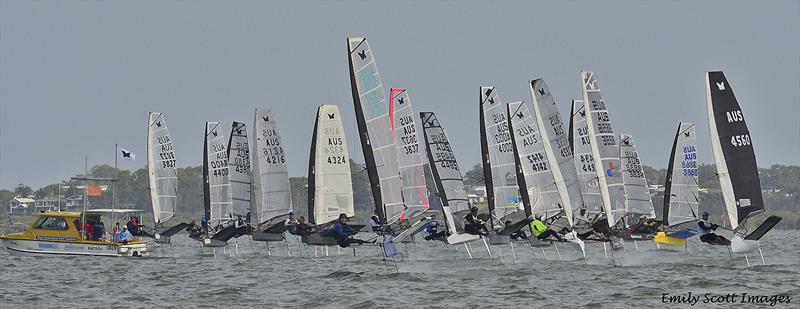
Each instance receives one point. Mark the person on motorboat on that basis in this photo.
(87, 230)
(432, 228)
(343, 233)
(125, 235)
(474, 225)
(133, 226)
(707, 234)
(541, 231)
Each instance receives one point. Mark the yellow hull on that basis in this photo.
(662, 238)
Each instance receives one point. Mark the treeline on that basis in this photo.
(781, 185)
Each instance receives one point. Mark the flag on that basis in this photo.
(124, 154)
(93, 190)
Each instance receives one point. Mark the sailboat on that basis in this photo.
(558, 153)
(640, 214)
(412, 167)
(238, 158)
(447, 178)
(330, 186)
(272, 195)
(589, 184)
(605, 155)
(681, 199)
(163, 177)
(375, 131)
(736, 166)
(216, 186)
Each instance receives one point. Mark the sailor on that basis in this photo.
(375, 223)
(302, 227)
(473, 224)
(125, 235)
(194, 229)
(582, 218)
(432, 228)
(541, 231)
(204, 224)
(706, 232)
(343, 233)
(290, 220)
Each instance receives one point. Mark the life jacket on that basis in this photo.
(538, 227)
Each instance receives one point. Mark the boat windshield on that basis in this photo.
(51, 223)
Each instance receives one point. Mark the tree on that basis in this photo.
(474, 177)
(23, 190)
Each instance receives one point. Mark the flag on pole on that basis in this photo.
(124, 154)
(94, 190)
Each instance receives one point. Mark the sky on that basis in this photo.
(78, 77)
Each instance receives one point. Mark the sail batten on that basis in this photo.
(161, 168)
(375, 131)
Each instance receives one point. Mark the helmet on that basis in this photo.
(706, 214)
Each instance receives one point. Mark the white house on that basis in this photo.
(48, 203)
(20, 205)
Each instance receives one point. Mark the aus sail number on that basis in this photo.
(740, 140)
(336, 160)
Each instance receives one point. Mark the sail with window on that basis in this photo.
(447, 178)
(638, 203)
(409, 154)
(605, 150)
(499, 168)
(375, 130)
(736, 164)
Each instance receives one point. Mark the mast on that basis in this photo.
(377, 140)
(733, 150)
(311, 172)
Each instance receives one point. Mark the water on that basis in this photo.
(432, 275)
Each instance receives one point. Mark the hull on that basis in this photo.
(75, 248)
(739, 245)
(663, 239)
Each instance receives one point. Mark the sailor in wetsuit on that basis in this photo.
(474, 225)
(706, 232)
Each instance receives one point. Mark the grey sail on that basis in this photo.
(446, 174)
(239, 170)
(161, 170)
(499, 168)
(272, 196)
(541, 188)
(409, 153)
(375, 130)
(637, 196)
(584, 162)
(605, 151)
(556, 146)
(217, 187)
(681, 199)
(331, 190)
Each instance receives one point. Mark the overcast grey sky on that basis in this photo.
(77, 77)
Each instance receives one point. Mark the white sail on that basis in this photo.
(446, 173)
(333, 186)
(375, 130)
(605, 151)
(584, 162)
(499, 167)
(272, 195)
(161, 169)
(409, 153)
(556, 147)
(239, 169)
(637, 195)
(681, 197)
(217, 180)
(542, 191)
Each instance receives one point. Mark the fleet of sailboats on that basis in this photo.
(584, 182)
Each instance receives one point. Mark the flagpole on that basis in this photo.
(85, 193)
(114, 185)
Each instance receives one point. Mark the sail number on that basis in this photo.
(587, 162)
(336, 160)
(740, 140)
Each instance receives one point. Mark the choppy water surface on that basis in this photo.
(432, 275)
